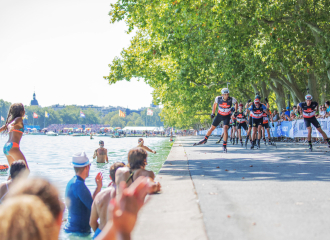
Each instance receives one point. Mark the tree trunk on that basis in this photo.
(280, 95)
(295, 99)
(264, 91)
(312, 85)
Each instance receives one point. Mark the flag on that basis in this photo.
(121, 114)
(46, 114)
(150, 112)
(82, 115)
(2, 119)
(35, 115)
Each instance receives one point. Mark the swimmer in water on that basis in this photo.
(141, 145)
(15, 128)
(101, 153)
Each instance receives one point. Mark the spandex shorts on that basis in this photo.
(265, 125)
(234, 123)
(250, 121)
(242, 125)
(312, 120)
(219, 118)
(256, 122)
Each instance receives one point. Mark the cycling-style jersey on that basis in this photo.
(240, 116)
(257, 113)
(265, 118)
(225, 106)
(308, 111)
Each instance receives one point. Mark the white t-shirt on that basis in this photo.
(217, 98)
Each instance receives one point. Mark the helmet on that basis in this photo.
(224, 90)
(256, 100)
(308, 97)
(257, 97)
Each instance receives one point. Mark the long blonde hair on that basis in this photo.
(25, 218)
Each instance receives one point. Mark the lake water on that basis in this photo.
(49, 157)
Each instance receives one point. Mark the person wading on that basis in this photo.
(101, 154)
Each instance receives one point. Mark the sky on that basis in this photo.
(61, 50)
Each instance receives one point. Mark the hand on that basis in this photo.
(98, 180)
(249, 100)
(212, 115)
(124, 211)
(266, 100)
(154, 152)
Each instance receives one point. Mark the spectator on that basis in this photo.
(128, 205)
(101, 201)
(275, 116)
(327, 105)
(322, 112)
(137, 159)
(78, 197)
(16, 169)
(287, 112)
(293, 116)
(45, 191)
(26, 218)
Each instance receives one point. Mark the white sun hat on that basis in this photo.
(80, 160)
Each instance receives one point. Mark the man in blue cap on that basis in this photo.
(308, 110)
(78, 197)
(287, 112)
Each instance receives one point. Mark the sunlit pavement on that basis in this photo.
(269, 193)
(264, 194)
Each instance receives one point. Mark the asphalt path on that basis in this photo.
(269, 193)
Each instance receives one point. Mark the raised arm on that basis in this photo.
(148, 149)
(3, 128)
(95, 154)
(106, 156)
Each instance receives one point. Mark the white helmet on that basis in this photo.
(224, 90)
(308, 97)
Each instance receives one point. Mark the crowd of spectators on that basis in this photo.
(293, 114)
(60, 127)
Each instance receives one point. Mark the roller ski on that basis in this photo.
(252, 145)
(219, 140)
(310, 148)
(224, 147)
(258, 144)
(201, 142)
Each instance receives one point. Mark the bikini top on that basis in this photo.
(12, 129)
(130, 176)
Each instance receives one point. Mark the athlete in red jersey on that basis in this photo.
(308, 109)
(224, 104)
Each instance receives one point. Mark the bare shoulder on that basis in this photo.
(144, 173)
(122, 174)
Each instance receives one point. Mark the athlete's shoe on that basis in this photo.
(252, 145)
(219, 140)
(201, 142)
(224, 149)
(265, 141)
(246, 141)
(241, 143)
(310, 147)
(258, 143)
(236, 141)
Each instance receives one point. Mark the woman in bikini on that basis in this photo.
(15, 128)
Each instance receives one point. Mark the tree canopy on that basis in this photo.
(188, 51)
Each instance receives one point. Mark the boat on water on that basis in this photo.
(78, 134)
(51, 133)
(34, 131)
